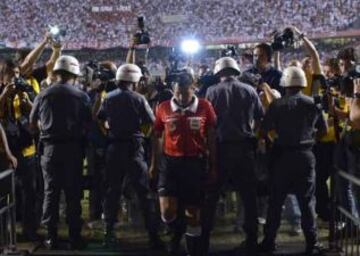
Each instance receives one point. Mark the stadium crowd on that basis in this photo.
(246, 20)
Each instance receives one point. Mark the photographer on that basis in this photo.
(102, 81)
(15, 107)
(347, 153)
(262, 56)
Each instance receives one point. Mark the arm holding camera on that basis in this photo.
(311, 49)
(277, 60)
(130, 58)
(33, 56)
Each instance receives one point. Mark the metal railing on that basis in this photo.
(7, 212)
(344, 226)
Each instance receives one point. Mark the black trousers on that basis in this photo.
(293, 171)
(324, 154)
(62, 170)
(96, 170)
(237, 168)
(125, 160)
(25, 176)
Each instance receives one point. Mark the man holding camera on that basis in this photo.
(122, 113)
(15, 106)
(348, 156)
(262, 56)
(63, 115)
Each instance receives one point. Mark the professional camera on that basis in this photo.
(57, 34)
(283, 40)
(230, 51)
(143, 36)
(175, 58)
(93, 71)
(250, 78)
(22, 85)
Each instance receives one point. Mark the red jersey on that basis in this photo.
(185, 129)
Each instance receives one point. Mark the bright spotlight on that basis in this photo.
(190, 46)
(54, 30)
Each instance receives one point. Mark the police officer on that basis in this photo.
(63, 113)
(239, 110)
(123, 112)
(188, 126)
(295, 118)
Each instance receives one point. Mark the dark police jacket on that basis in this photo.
(64, 113)
(295, 119)
(125, 111)
(238, 107)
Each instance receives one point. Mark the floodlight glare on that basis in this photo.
(190, 46)
(54, 30)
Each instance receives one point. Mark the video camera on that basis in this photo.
(283, 40)
(230, 51)
(175, 58)
(21, 85)
(250, 78)
(143, 36)
(93, 71)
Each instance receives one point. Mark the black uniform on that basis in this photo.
(295, 120)
(125, 111)
(238, 108)
(64, 114)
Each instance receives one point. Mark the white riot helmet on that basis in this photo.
(69, 64)
(129, 73)
(226, 63)
(293, 77)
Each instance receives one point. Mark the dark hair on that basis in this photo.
(333, 63)
(184, 79)
(267, 49)
(6, 66)
(109, 65)
(347, 54)
(21, 54)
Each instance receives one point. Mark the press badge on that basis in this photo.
(171, 123)
(195, 123)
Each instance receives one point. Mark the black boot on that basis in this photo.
(193, 245)
(76, 241)
(177, 229)
(51, 242)
(110, 240)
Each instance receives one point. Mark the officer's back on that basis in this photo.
(125, 111)
(63, 111)
(295, 117)
(237, 105)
